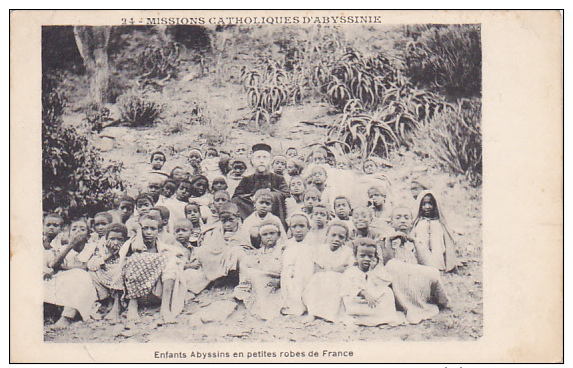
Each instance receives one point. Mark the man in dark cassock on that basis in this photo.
(263, 178)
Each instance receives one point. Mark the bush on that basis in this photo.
(453, 139)
(53, 102)
(139, 109)
(447, 59)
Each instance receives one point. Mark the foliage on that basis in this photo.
(139, 108)
(53, 102)
(453, 138)
(95, 115)
(76, 180)
(160, 62)
(447, 59)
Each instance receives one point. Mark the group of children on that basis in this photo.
(335, 245)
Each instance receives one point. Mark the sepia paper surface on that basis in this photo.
(522, 200)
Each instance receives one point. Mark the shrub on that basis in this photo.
(139, 109)
(160, 62)
(447, 59)
(95, 115)
(53, 102)
(453, 138)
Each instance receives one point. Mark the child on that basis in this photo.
(177, 203)
(238, 168)
(169, 188)
(158, 159)
(376, 202)
(295, 202)
(399, 245)
(154, 186)
(143, 204)
(200, 194)
(219, 183)
(311, 198)
(193, 215)
(297, 265)
(331, 259)
(319, 177)
(220, 197)
(162, 213)
(153, 269)
(52, 228)
(294, 167)
(259, 286)
(105, 268)
(263, 203)
(343, 211)
(371, 168)
(101, 220)
(366, 292)
(291, 152)
(279, 165)
(195, 158)
(183, 229)
(178, 174)
(417, 186)
(319, 217)
(434, 243)
(319, 156)
(361, 217)
(124, 210)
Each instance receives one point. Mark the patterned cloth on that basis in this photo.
(141, 272)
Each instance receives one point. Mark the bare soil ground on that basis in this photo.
(225, 104)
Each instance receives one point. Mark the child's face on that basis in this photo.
(238, 169)
(369, 167)
(115, 240)
(416, 189)
(211, 153)
(154, 188)
(296, 186)
(402, 220)
(319, 157)
(376, 197)
(319, 216)
(100, 223)
(193, 213)
(156, 214)
(299, 228)
(194, 159)
(291, 153)
(230, 222)
(144, 206)
(318, 176)
(157, 162)
(149, 230)
(182, 233)
(263, 205)
(269, 236)
(343, 165)
(310, 200)
(428, 206)
(178, 174)
(125, 210)
(261, 161)
(366, 258)
(291, 168)
(52, 227)
(168, 189)
(220, 199)
(336, 237)
(183, 192)
(279, 167)
(361, 218)
(78, 228)
(342, 209)
(241, 150)
(200, 187)
(219, 185)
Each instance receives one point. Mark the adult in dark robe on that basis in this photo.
(263, 178)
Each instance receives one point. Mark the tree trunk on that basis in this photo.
(92, 43)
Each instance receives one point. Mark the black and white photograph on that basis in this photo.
(276, 181)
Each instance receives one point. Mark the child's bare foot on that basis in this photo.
(62, 323)
(133, 316)
(112, 316)
(167, 317)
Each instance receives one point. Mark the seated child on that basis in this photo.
(311, 198)
(105, 269)
(154, 186)
(291, 152)
(263, 199)
(143, 204)
(195, 158)
(319, 217)
(294, 167)
(193, 214)
(124, 209)
(163, 214)
(331, 258)
(183, 229)
(101, 220)
(177, 203)
(259, 286)
(343, 211)
(319, 177)
(361, 217)
(53, 224)
(158, 159)
(295, 202)
(366, 293)
(200, 194)
(220, 197)
(418, 289)
(434, 243)
(297, 265)
(377, 203)
(150, 268)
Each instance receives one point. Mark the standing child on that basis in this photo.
(362, 217)
(311, 198)
(291, 152)
(297, 265)
(193, 214)
(377, 203)
(322, 295)
(124, 209)
(238, 166)
(200, 194)
(143, 204)
(183, 229)
(101, 220)
(263, 203)
(295, 202)
(319, 217)
(105, 268)
(220, 197)
(162, 213)
(219, 183)
(343, 212)
(319, 177)
(279, 165)
(195, 158)
(178, 174)
(434, 243)
(177, 203)
(158, 159)
(366, 292)
(169, 188)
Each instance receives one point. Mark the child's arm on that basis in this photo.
(57, 264)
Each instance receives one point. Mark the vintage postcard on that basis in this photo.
(286, 186)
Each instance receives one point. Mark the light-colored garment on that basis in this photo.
(259, 286)
(376, 282)
(253, 221)
(322, 295)
(297, 269)
(176, 211)
(292, 206)
(418, 289)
